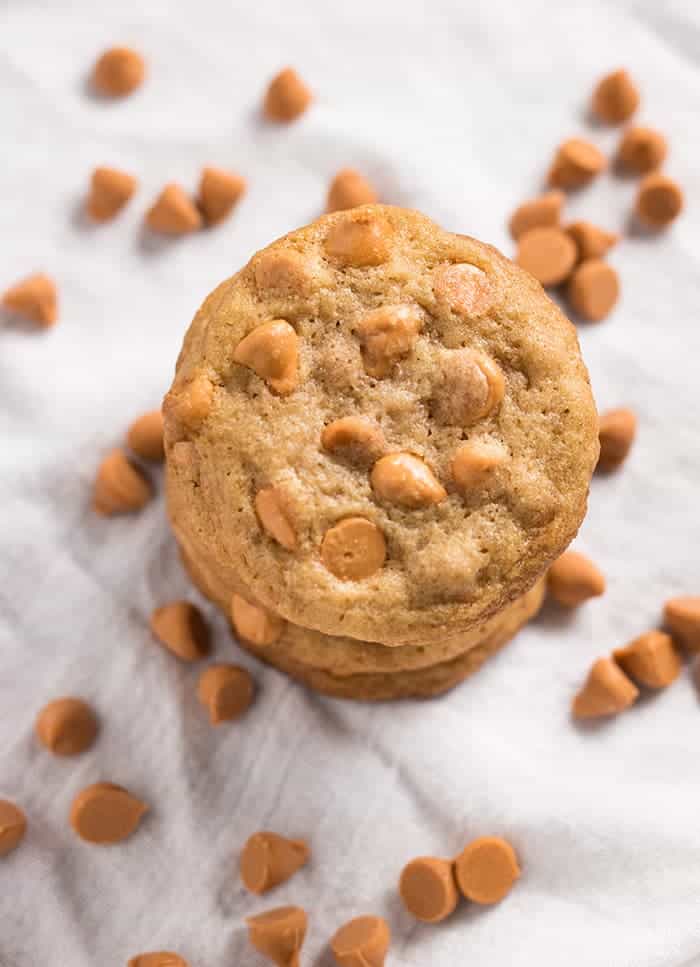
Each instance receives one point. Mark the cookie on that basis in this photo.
(438, 350)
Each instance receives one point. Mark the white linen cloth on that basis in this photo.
(454, 108)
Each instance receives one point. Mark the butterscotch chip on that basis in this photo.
(404, 479)
(254, 623)
(659, 200)
(118, 72)
(362, 942)
(615, 97)
(427, 888)
(271, 350)
(682, 616)
(158, 958)
(282, 273)
(145, 436)
(274, 517)
(650, 659)
(617, 430)
(591, 241)
(287, 96)
(268, 859)
(354, 438)
(226, 691)
(360, 240)
(279, 934)
(593, 289)
(13, 826)
(387, 335)
(104, 813)
(573, 579)
(547, 253)
(606, 691)
(464, 288)
(110, 190)
(348, 190)
(474, 463)
(119, 487)
(487, 869)
(471, 387)
(576, 162)
(192, 404)
(642, 150)
(173, 212)
(181, 627)
(542, 212)
(353, 549)
(34, 298)
(66, 726)
(219, 191)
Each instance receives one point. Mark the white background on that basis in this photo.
(452, 107)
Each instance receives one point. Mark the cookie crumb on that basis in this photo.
(287, 97)
(427, 888)
(104, 813)
(549, 254)
(682, 617)
(118, 72)
(268, 859)
(576, 163)
(34, 298)
(617, 431)
(362, 942)
(173, 212)
(181, 628)
(542, 212)
(659, 200)
(226, 692)
(348, 190)
(486, 870)
(13, 826)
(145, 436)
(615, 97)
(219, 192)
(641, 150)
(279, 934)
(110, 190)
(650, 659)
(593, 289)
(66, 726)
(120, 487)
(573, 579)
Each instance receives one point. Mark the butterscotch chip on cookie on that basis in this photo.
(486, 870)
(348, 190)
(110, 190)
(13, 826)
(254, 623)
(269, 859)
(279, 934)
(173, 212)
(219, 192)
(615, 98)
(34, 298)
(606, 691)
(287, 96)
(362, 942)
(641, 150)
(66, 726)
(118, 71)
(351, 360)
(650, 659)
(682, 617)
(547, 253)
(542, 212)
(576, 163)
(226, 691)
(427, 888)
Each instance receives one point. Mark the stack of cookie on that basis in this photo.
(379, 436)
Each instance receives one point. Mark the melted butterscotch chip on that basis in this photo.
(279, 934)
(287, 96)
(606, 691)
(274, 517)
(354, 438)
(255, 623)
(615, 98)
(576, 162)
(119, 487)
(471, 388)
(173, 212)
(282, 273)
(463, 288)
(387, 335)
(66, 726)
(110, 190)
(118, 72)
(361, 240)
(105, 813)
(486, 869)
(271, 350)
(181, 628)
(474, 463)
(35, 298)
(192, 404)
(269, 859)
(402, 478)
(642, 150)
(226, 691)
(13, 826)
(348, 190)
(362, 942)
(219, 191)
(427, 888)
(353, 549)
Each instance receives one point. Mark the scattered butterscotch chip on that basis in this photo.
(470, 388)
(642, 150)
(226, 691)
(34, 298)
(192, 404)
(269, 859)
(13, 826)
(591, 241)
(348, 190)
(547, 253)
(659, 200)
(219, 191)
(145, 436)
(158, 958)
(274, 517)
(119, 487)
(682, 617)
(173, 212)
(353, 549)
(474, 463)
(104, 813)
(650, 659)
(616, 431)
(271, 350)
(464, 288)
(606, 691)
(542, 212)
(576, 162)
(615, 97)
(573, 579)
(427, 888)
(387, 335)
(255, 623)
(486, 869)
(181, 627)
(593, 289)
(355, 438)
(279, 934)
(110, 190)
(404, 479)
(360, 239)
(66, 726)
(118, 72)
(362, 942)
(287, 96)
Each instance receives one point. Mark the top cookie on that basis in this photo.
(387, 429)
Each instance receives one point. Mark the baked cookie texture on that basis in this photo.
(379, 430)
